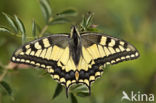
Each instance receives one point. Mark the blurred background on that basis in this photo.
(131, 20)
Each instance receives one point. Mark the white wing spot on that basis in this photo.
(43, 66)
(18, 59)
(32, 62)
(117, 50)
(13, 58)
(50, 70)
(32, 53)
(27, 61)
(28, 51)
(122, 58)
(127, 49)
(22, 53)
(127, 56)
(22, 60)
(37, 64)
(73, 81)
(46, 42)
(112, 43)
(136, 54)
(121, 48)
(122, 43)
(132, 55)
(27, 46)
(103, 41)
(108, 63)
(118, 59)
(37, 45)
(113, 61)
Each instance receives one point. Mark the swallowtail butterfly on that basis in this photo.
(75, 57)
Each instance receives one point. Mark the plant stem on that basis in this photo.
(45, 27)
(19, 35)
(4, 72)
(43, 30)
(1, 65)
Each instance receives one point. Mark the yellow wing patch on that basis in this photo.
(86, 55)
(48, 54)
(94, 51)
(46, 43)
(70, 65)
(101, 50)
(65, 56)
(83, 65)
(56, 53)
(103, 40)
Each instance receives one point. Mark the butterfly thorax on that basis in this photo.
(75, 45)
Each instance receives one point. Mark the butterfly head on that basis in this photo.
(74, 32)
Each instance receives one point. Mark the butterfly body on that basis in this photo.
(75, 57)
(75, 46)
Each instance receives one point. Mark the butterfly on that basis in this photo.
(75, 57)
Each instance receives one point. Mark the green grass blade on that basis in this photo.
(34, 29)
(59, 21)
(58, 90)
(4, 30)
(46, 9)
(11, 22)
(21, 28)
(73, 98)
(6, 86)
(68, 12)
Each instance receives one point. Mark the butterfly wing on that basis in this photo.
(99, 50)
(51, 53)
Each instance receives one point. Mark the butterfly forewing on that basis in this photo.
(50, 53)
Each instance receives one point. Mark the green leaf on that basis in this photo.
(47, 5)
(58, 90)
(59, 21)
(38, 27)
(44, 12)
(68, 12)
(86, 21)
(34, 28)
(46, 9)
(20, 25)
(80, 88)
(11, 22)
(83, 24)
(21, 28)
(2, 42)
(93, 29)
(6, 87)
(4, 30)
(89, 19)
(73, 98)
(83, 94)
